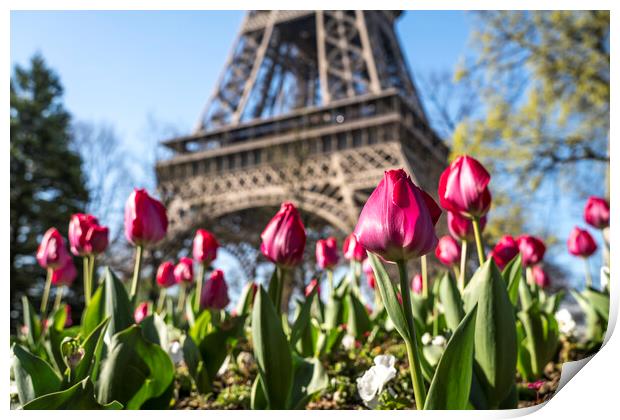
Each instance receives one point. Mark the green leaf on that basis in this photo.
(92, 346)
(32, 323)
(450, 297)
(245, 300)
(359, 322)
(302, 322)
(309, 378)
(33, 376)
(449, 389)
(513, 274)
(495, 338)
(595, 325)
(155, 330)
(135, 370)
(80, 396)
(117, 305)
(541, 337)
(599, 302)
(95, 311)
(195, 365)
(388, 296)
(258, 400)
(272, 352)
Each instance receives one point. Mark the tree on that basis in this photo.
(47, 182)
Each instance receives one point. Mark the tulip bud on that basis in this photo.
(370, 274)
(532, 249)
(417, 284)
(96, 240)
(165, 275)
(327, 253)
(463, 188)
(397, 222)
(215, 292)
(52, 252)
(141, 312)
(314, 283)
(580, 243)
(184, 271)
(461, 228)
(352, 249)
(596, 212)
(540, 277)
(79, 226)
(284, 237)
(64, 276)
(448, 251)
(505, 250)
(146, 222)
(205, 247)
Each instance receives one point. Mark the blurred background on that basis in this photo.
(93, 93)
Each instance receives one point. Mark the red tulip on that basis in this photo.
(314, 283)
(141, 312)
(205, 247)
(69, 319)
(284, 237)
(540, 277)
(96, 240)
(532, 249)
(580, 243)
(165, 275)
(596, 212)
(463, 188)
(397, 220)
(417, 284)
(146, 222)
(448, 251)
(184, 271)
(352, 249)
(79, 226)
(461, 228)
(370, 275)
(64, 276)
(327, 253)
(52, 252)
(505, 250)
(215, 291)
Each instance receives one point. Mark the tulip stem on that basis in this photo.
(330, 281)
(136, 275)
(588, 275)
(85, 272)
(161, 301)
(58, 300)
(46, 291)
(411, 342)
(481, 257)
(463, 265)
(181, 301)
(279, 286)
(199, 281)
(354, 270)
(91, 275)
(424, 277)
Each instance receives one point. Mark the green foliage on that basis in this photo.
(80, 396)
(34, 376)
(540, 342)
(451, 299)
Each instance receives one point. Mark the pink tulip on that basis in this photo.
(505, 250)
(314, 283)
(397, 220)
(146, 222)
(540, 277)
(352, 249)
(52, 252)
(596, 212)
(580, 243)
(284, 237)
(141, 312)
(184, 271)
(79, 226)
(215, 292)
(461, 228)
(65, 275)
(165, 275)
(205, 247)
(327, 253)
(417, 284)
(463, 188)
(532, 249)
(448, 251)
(96, 240)
(370, 274)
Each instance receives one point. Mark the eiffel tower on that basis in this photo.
(312, 107)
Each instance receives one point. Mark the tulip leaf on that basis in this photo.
(245, 300)
(272, 352)
(450, 297)
(599, 302)
(541, 337)
(302, 322)
(195, 365)
(155, 330)
(595, 325)
(135, 371)
(34, 377)
(495, 338)
(309, 378)
(117, 304)
(31, 322)
(449, 389)
(388, 296)
(513, 274)
(80, 396)
(93, 347)
(258, 400)
(359, 322)
(95, 311)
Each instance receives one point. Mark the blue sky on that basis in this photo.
(130, 68)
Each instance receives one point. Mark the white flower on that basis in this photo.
(439, 340)
(427, 339)
(176, 352)
(348, 342)
(566, 323)
(371, 384)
